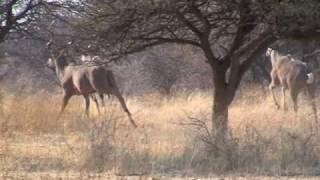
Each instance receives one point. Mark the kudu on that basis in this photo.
(88, 60)
(84, 80)
(292, 75)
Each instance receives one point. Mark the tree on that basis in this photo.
(15, 14)
(230, 33)
(298, 20)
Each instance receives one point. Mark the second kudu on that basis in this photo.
(84, 80)
(292, 75)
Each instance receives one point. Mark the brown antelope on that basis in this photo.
(88, 60)
(292, 75)
(84, 80)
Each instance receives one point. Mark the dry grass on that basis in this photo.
(267, 141)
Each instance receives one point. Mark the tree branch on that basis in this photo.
(188, 24)
(171, 40)
(260, 48)
(122, 53)
(252, 44)
(200, 16)
(238, 69)
(312, 54)
(29, 7)
(243, 27)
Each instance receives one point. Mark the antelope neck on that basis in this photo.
(60, 66)
(273, 55)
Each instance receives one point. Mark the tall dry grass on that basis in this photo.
(264, 140)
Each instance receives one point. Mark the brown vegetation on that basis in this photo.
(265, 141)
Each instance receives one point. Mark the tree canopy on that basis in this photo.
(16, 15)
(231, 33)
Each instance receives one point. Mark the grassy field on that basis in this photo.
(170, 139)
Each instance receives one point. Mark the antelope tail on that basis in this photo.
(310, 78)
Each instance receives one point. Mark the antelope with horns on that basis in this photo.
(84, 80)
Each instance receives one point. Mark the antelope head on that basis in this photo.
(57, 54)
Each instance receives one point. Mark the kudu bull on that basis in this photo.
(291, 74)
(88, 60)
(84, 80)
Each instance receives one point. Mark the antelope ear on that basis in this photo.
(83, 58)
(50, 63)
(96, 58)
(268, 52)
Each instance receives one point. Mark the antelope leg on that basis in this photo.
(271, 87)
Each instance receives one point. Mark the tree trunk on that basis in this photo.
(3, 32)
(220, 105)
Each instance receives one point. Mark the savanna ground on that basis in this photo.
(170, 142)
